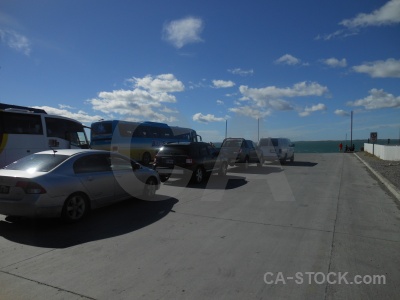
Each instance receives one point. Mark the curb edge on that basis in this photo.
(389, 186)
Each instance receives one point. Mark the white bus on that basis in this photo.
(138, 140)
(25, 130)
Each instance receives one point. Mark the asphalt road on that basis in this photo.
(320, 228)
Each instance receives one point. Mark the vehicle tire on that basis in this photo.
(246, 163)
(198, 175)
(75, 208)
(150, 188)
(292, 158)
(283, 160)
(164, 178)
(223, 169)
(146, 158)
(260, 162)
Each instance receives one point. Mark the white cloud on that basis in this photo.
(279, 104)
(223, 83)
(341, 112)
(16, 41)
(184, 31)
(220, 102)
(377, 99)
(388, 14)
(252, 112)
(298, 90)
(380, 68)
(199, 117)
(308, 110)
(262, 101)
(335, 63)
(144, 102)
(338, 33)
(65, 106)
(288, 59)
(162, 83)
(239, 71)
(80, 116)
(200, 84)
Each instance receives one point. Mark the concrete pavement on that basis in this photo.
(311, 229)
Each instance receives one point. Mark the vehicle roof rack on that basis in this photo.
(11, 107)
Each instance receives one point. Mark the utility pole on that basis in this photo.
(226, 128)
(351, 130)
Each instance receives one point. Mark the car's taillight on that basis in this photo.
(30, 187)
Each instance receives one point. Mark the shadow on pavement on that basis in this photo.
(212, 182)
(265, 169)
(293, 164)
(302, 164)
(103, 223)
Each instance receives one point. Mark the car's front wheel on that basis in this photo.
(75, 208)
(223, 169)
(150, 188)
(246, 163)
(260, 162)
(198, 175)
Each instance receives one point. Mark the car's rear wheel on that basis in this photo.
(75, 208)
(150, 188)
(223, 170)
(198, 175)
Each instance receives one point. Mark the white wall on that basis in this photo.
(385, 152)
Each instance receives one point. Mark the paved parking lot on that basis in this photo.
(313, 229)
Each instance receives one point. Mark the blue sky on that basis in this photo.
(296, 68)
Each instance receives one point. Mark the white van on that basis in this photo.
(280, 149)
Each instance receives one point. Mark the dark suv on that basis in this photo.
(241, 152)
(195, 159)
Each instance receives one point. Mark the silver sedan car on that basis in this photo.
(68, 183)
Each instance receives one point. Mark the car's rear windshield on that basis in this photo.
(232, 143)
(37, 162)
(269, 142)
(175, 150)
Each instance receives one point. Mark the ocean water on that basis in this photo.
(333, 146)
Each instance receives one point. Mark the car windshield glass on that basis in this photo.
(171, 150)
(232, 143)
(37, 162)
(275, 142)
